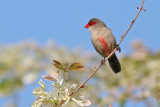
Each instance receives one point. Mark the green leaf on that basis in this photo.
(76, 67)
(53, 102)
(57, 64)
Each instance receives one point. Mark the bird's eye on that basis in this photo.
(91, 23)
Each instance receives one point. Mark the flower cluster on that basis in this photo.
(63, 92)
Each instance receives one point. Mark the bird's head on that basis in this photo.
(95, 23)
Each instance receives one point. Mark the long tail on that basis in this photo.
(114, 63)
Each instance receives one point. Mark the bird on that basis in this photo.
(104, 42)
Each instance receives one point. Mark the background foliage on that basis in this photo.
(24, 63)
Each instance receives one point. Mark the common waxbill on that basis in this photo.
(104, 42)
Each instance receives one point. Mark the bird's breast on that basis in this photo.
(103, 41)
(101, 45)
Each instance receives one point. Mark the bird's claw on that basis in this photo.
(118, 48)
(103, 61)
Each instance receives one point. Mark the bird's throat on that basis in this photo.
(90, 29)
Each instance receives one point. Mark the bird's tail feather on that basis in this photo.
(114, 63)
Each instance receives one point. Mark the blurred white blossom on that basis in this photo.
(63, 97)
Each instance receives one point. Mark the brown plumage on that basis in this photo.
(104, 42)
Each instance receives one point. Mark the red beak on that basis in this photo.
(87, 26)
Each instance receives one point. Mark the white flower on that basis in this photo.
(83, 102)
(43, 97)
(41, 83)
(73, 86)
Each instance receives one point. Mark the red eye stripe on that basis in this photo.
(90, 24)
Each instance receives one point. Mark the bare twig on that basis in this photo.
(122, 37)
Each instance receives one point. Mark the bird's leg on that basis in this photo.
(118, 48)
(103, 61)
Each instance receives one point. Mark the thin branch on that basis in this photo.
(141, 8)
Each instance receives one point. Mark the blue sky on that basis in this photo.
(64, 21)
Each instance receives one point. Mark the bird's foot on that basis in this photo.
(103, 61)
(118, 48)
